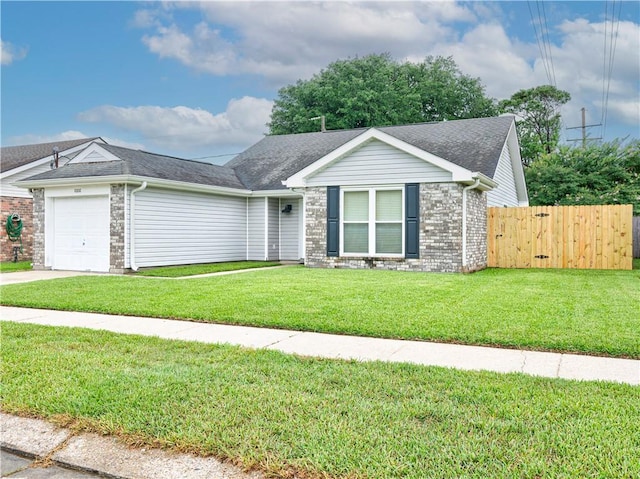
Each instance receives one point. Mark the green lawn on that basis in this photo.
(595, 312)
(195, 269)
(11, 267)
(320, 418)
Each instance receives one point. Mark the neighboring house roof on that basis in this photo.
(16, 156)
(473, 144)
(139, 163)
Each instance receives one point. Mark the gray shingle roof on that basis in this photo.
(151, 165)
(15, 156)
(275, 158)
(474, 144)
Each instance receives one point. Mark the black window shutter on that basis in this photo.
(412, 220)
(333, 220)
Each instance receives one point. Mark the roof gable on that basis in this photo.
(300, 179)
(21, 156)
(378, 163)
(94, 153)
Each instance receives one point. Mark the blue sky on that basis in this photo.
(198, 79)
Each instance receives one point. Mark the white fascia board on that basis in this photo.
(92, 148)
(516, 164)
(284, 193)
(137, 180)
(299, 179)
(46, 160)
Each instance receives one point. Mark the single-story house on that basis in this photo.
(410, 197)
(18, 163)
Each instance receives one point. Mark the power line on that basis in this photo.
(548, 41)
(543, 40)
(604, 61)
(608, 72)
(215, 156)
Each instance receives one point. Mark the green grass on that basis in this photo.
(195, 269)
(320, 418)
(636, 263)
(594, 312)
(11, 267)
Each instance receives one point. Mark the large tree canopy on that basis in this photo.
(376, 91)
(595, 175)
(539, 123)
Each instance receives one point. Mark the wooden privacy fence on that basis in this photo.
(584, 237)
(636, 236)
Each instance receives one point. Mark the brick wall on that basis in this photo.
(38, 228)
(23, 207)
(117, 221)
(440, 232)
(476, 231)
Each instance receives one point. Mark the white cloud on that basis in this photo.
(627, 111)
(189, 129)
(506, 65)
(488, 53)
(287, 41)
(10, 53)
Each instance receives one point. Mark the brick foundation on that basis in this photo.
(23, 207)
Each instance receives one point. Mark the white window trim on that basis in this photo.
(372, 221)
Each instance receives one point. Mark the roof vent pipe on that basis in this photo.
(53, 164)
(322, 119)
(132, 246)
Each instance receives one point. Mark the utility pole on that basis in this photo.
(584, 127)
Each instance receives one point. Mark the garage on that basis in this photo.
(81, 233)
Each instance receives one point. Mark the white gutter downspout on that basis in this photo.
(464, 221)
(132, 235)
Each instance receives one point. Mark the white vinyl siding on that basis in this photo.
(505, 193)
(256, 229)
(9, 190)
(273, 231)
(377, 163)
(175, 227)
(290, 229)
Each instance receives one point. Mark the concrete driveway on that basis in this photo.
(33, 275)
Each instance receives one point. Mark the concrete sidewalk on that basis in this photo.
(552, 365)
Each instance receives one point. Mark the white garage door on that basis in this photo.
(81, 233)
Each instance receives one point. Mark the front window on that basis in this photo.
(373, 222)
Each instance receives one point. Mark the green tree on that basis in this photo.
(375, 90)
(603, 174)
(538, 126)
